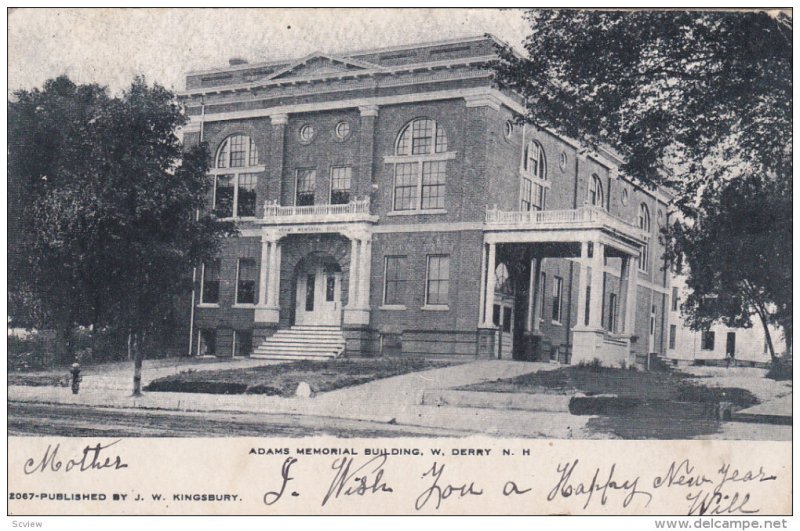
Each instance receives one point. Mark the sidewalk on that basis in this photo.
(392, 400)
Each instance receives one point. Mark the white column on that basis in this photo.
(582, 277)
(531, 297)
(490, 280)
(275, 274)
(596, 301)
(267, 310)
(482, 286)
(630, 296)
(263, 272)
(352, 286)
(364, 273)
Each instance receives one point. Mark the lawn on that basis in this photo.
(283, 379)
(636, 404)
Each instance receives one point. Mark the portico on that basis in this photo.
(354, 222)
(599, 245)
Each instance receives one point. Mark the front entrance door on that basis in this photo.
(319, 296)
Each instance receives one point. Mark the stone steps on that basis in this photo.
(304, 342)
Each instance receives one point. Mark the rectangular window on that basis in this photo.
(223, 196)
(246, 281)
(433, 177)
(242, 342)
(340, 185)
(306, 184)
(246, 195)
(644, 258)
(206, 342)
(673, 332)
(209, 290)
(558, 285)
(537, 197)
(707, 340)
(612, 312)
(394, 287)
(496, 315)
(438, 284)
(405, 186)
(542, 295)
(674, 299)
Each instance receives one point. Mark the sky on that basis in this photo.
(110, 46)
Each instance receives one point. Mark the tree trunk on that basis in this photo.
(66, 350)
(768, 337)
(138, 358)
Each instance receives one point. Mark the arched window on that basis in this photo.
(236, 165)
(420, 169)
(421, 136)
(596, 192)
(644, 225)
(237, 151)
(534, 176)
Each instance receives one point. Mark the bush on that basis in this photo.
(594, 365)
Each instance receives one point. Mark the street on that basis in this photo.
(29, 419)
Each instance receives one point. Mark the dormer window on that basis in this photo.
(420, 167)
(235, 179)
(534, 177)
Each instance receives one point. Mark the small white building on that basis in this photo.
(686, 346)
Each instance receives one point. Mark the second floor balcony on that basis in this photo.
(584, 218)
(357, 210)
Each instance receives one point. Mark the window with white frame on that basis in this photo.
(209, 283)
(341, 177)
(644, 225)
(420, 172)
(596, 192)
(394, 284)
(558, 288)
(246, 275)
(306, 185)
(235, 177)
(534, 177)
(437, 285)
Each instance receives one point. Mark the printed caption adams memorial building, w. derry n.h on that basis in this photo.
(388, 202)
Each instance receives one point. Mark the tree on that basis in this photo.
(117, 225)
(707, 95)
(741, 261)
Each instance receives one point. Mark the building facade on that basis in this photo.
(391, 194)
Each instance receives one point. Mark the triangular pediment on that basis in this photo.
(318, 64)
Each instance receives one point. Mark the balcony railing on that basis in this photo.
(355, 210)
(587, 216)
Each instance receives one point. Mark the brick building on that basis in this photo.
(388, 201)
